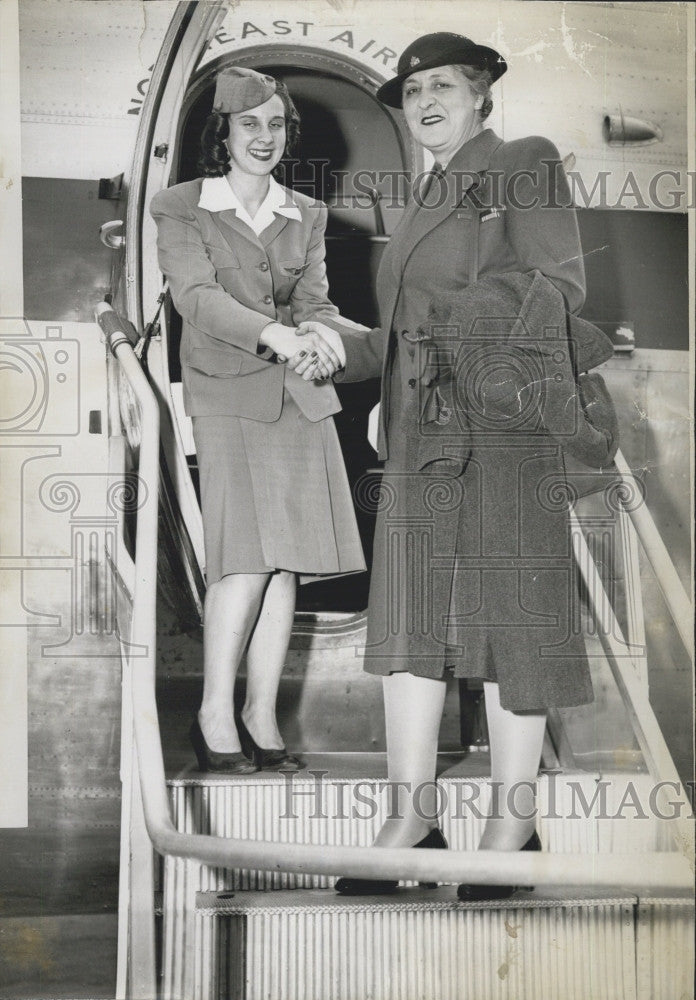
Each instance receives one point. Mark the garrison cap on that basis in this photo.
(240, 89)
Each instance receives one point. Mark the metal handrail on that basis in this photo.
(668, 871)
(634, 694)
(676, 597)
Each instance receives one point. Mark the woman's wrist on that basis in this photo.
(279, 339)
(270, 333)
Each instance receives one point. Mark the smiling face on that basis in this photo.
(441, 110)
(257, 138)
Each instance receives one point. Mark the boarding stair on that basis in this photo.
(254, 934)
(238, 901)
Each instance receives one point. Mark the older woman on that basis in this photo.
(472, 571)
(245, 262)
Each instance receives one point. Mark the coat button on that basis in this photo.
(264, 265)
(267, 299)
(412, 383)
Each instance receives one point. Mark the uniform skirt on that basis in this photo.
(275, 496)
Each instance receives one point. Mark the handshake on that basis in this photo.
(317, 355)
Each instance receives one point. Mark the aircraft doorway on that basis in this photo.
(355, 155)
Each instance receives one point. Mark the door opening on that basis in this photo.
(354, 154)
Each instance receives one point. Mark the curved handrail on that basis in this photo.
(664, 870)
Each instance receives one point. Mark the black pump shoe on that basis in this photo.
(212, 760)
(477, 893)
(266, 760)
(378, 887)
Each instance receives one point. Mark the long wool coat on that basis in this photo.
(472, 564)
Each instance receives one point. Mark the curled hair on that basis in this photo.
(215, 156)
(480, 81)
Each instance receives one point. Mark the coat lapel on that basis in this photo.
(231, 228)
(447, 193)
(431, 209)
(417, 221)
(405, 223)
(275, 229)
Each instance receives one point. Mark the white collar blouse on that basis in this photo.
(218, 196)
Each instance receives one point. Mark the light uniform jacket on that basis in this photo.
(228, 284)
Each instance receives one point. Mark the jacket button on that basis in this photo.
(264, 265)
(412, 383)
(267, 299)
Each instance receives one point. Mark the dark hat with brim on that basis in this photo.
(441, 48)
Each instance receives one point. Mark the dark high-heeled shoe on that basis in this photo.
(212, 760)
(266, 760)
(380, 886)
(476, 893)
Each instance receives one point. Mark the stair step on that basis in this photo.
(331, 707)
(419, 945)
(413, 899)
(330, 803)
(268, 806)
(326, 805)
(327, 702)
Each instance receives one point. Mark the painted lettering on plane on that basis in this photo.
(280, 27)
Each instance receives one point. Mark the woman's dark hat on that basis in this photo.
(442, 48)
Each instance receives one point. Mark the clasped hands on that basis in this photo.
(316, 356)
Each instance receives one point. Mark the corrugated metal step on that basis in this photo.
(339, 801)
(342, 800)
(421, 945)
